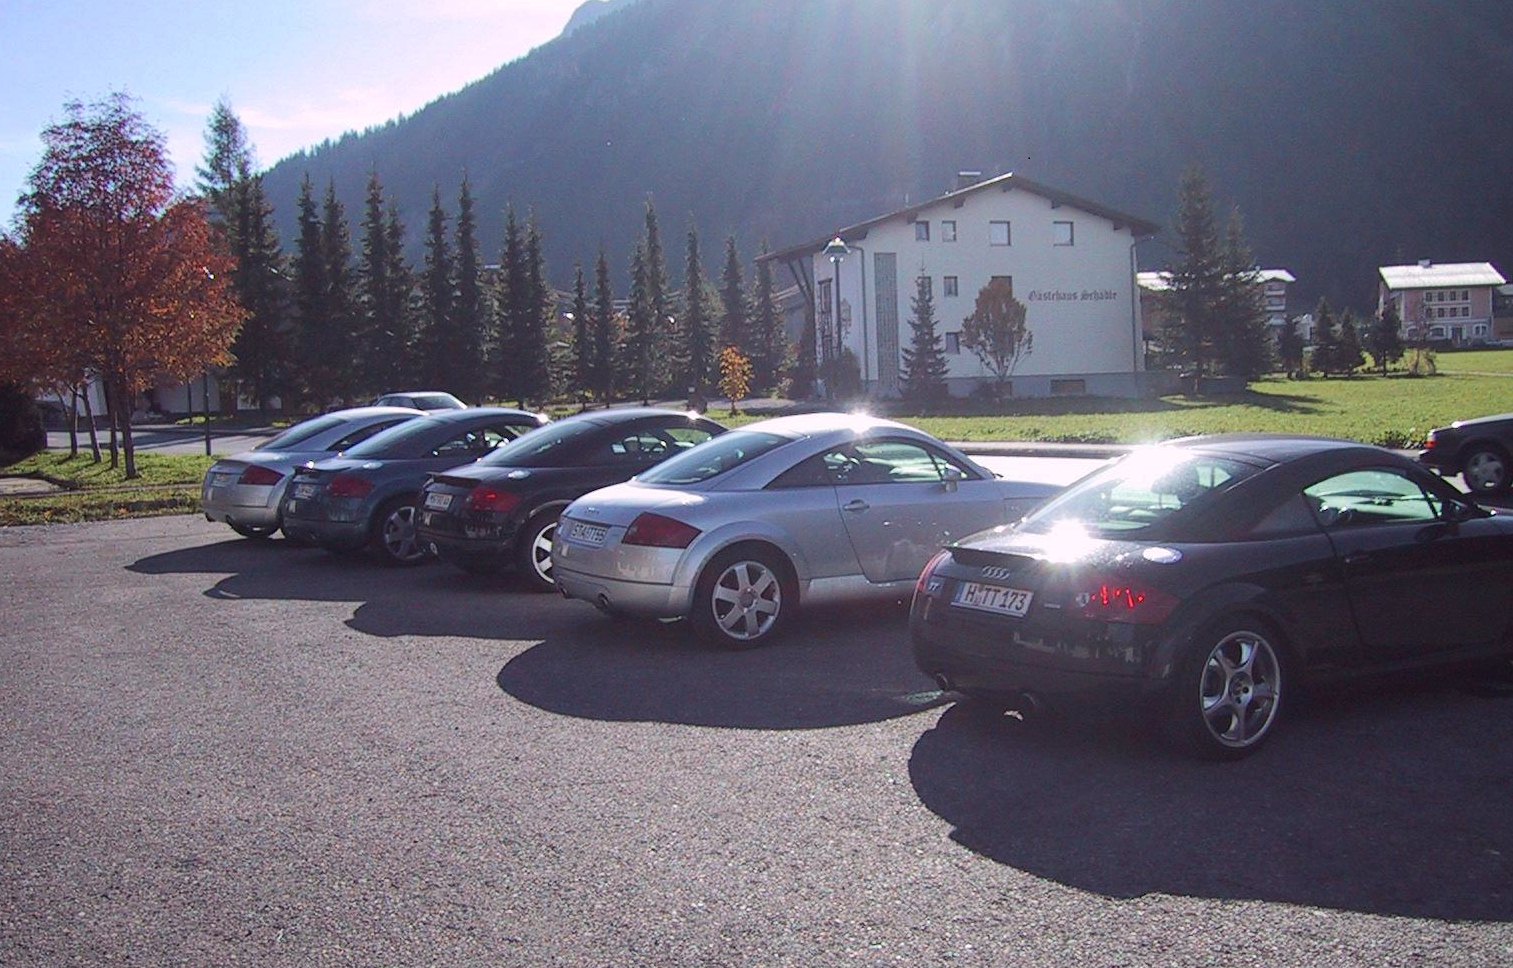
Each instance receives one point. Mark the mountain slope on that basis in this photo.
(1348, 135)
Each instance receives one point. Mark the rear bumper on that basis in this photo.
(327, 534)
(255, 507)
(642, 599)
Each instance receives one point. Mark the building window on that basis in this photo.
(951, 285)
(998, 233)
(1061, 233)
(1479, 330)
(921, 231)
(953, 344)
(948, 231)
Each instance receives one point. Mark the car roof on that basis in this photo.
(825, 422)
(618, 415)
(354, 413)
(1269, 448)
(476, 413)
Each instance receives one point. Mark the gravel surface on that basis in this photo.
(223, 752)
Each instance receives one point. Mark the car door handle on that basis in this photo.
(855, 504)
(1356, 557)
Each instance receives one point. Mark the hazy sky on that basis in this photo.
(295, 71)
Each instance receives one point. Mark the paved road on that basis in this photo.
(222, 752)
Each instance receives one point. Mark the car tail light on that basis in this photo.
(940, 558)
(261, 476)
(657, 531)
(1120, 601)
(1429, 441)
(484, 498)
(349, 485)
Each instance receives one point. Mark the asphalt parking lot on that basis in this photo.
(222, 752)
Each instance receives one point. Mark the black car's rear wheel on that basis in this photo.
(742, 599)
(394, 535)
(1485, 469)
(533, 551)
(1229, 690)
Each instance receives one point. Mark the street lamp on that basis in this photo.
(836, 251)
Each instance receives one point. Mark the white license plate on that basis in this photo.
(587, 534)
(1014, 602)
(436, 501)
(305, 490)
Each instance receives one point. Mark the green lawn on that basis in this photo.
(168, 484)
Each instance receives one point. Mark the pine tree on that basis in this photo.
(470, 368)
(769, 350)
(439, 342)
(1384, 338)
(1349, 357)
(640, 332)
(925, 366)
(661, 335)
(262, 352)
(538, 310)
(385, 296)
(313, 335)
(1197, 282)
(228, 162)
(1326, 341)
(606, 343)
(697, 356)
(509, 310)
(344, 377)
(1242, 346)
(1290, 348)
(583, 343)
(735, 315)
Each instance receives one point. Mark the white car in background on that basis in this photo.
(244, 490)
(739, 531)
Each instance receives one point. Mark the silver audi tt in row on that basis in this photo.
(245, 489)
(739, 531)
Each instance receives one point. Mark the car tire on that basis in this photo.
(1229, 690)
(254, 532)
(395, 540)
(1485, 469)
(533, 551)
(743, 598)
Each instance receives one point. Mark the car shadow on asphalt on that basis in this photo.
(840, 667)
(1389, 801)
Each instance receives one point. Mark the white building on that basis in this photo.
(1070, 262)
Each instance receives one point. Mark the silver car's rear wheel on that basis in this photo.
(1230, 692)
(741, 600)
(396, 540)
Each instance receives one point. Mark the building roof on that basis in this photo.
(855, 233)
(1430, 275)
(1161, 281)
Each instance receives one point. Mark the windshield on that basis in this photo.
(548, 446)
(1138, 491)
(301, 432)
(714, 456)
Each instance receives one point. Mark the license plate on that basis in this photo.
(588, 534)
(305, 490)
(1013, 602)
(436, 501)
(223, 478)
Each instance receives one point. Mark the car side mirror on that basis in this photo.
(951, 479)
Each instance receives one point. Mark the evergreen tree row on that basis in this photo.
(332, 325)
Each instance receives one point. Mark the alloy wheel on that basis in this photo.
(1240, 689)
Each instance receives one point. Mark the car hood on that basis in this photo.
(619, 504)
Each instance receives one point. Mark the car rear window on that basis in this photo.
(301, 432)
(552, 445)
(713, 457)
(1143, 489)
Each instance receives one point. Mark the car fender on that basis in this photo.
(1198, 610)
(710, 543)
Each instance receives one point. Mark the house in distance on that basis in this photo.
(1070, 261)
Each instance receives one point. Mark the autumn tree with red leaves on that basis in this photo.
(127, 274)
